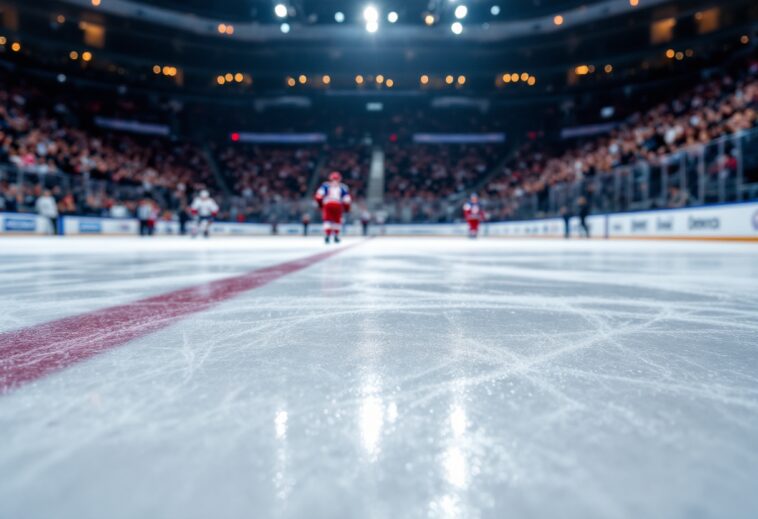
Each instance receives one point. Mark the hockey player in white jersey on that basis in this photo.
(203, 209)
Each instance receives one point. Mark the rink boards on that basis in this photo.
(737, 221)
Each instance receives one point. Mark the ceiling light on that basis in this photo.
(370, 14)
(456, 27)
(461, 11)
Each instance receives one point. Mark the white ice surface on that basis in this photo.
(403, 378)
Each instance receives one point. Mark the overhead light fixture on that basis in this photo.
(424, 79)
(339, 17)
(285, 27)
(280, 10)
(461, 11)
(558, 19)
(456, 27)
(392, 17)
(429, 19)
(495, 10)
(359, 79)
(372, 27)
(370, 14)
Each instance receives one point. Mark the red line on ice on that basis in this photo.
(30, 353)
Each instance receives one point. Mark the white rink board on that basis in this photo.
(217, 228)
(21, 223)
(92, 225)
(723, 221)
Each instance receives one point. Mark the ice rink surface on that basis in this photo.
(401, 378)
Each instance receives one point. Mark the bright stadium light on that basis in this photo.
(280, 10)
(457, 28)
(392, 17)
(285, 27)
(461, 11)
(371, 14)
(372, 27)
(495, 10)
(339, 17)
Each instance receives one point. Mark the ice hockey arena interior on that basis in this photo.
(379, 259)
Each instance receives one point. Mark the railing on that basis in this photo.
(724, 170)
(88, 191)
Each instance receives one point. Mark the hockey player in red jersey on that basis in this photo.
(474, 215)
(333, 198)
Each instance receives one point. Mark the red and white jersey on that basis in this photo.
(204, 207)
(473, 211)
(333, 193)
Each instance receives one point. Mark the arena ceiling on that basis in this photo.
(409, 11)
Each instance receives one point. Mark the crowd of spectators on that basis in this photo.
(353, 163)
(435, 171)
(90, 171)
(685, 125)
(419, 178)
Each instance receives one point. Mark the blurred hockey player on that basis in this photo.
(333, 198)
(474, 214)
(203, 209)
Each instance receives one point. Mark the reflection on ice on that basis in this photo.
(280, 424)
(458, 421)
(371, 422)
(454, 463)
(282, 480)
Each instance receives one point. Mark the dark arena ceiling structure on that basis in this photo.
(409, 11)
(507, 51)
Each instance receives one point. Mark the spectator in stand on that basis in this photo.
(584, 211)
(677, 197)
(47, 208)
(306, 219)
(145, 215)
